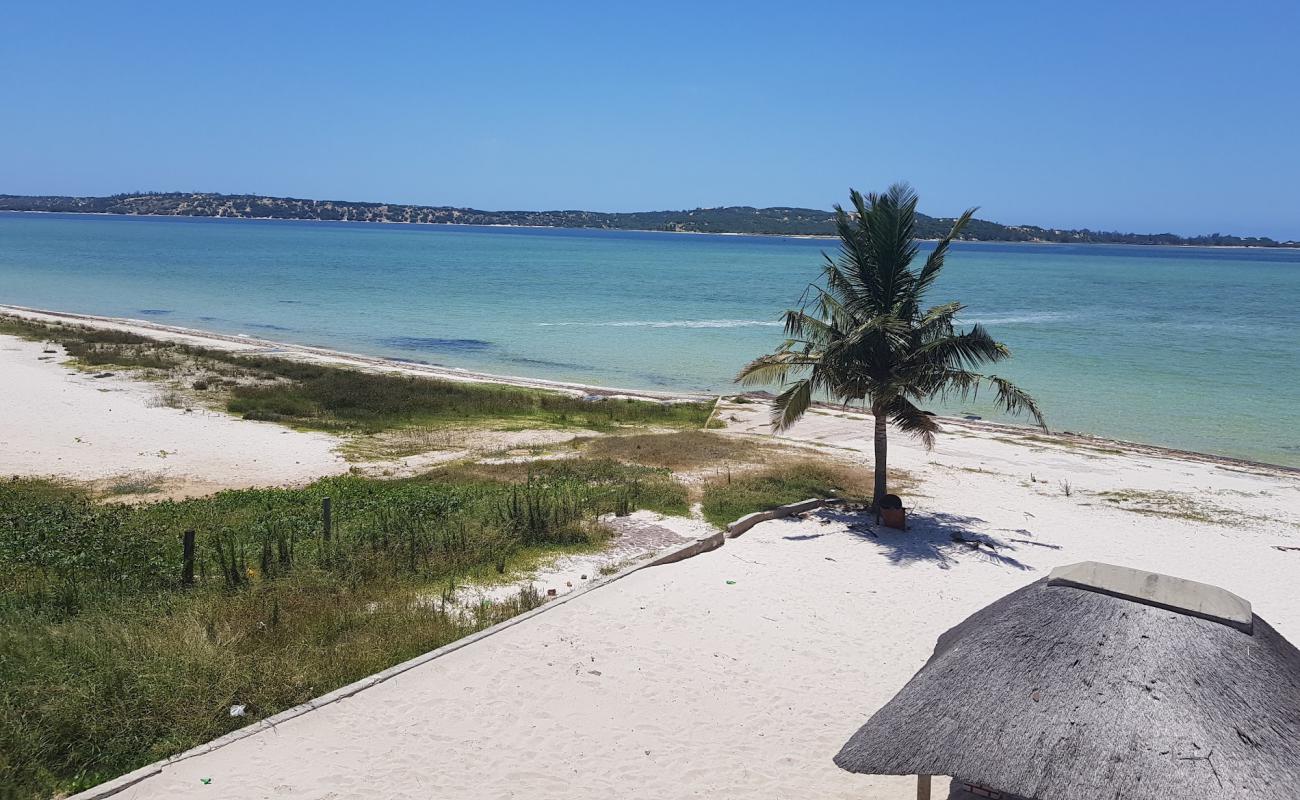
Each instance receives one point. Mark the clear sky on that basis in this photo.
(1141, 116)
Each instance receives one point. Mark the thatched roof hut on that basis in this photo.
(1100, 682)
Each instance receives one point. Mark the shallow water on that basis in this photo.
(1190, 348)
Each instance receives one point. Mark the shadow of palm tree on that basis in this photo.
(936, 537)
(806, 536)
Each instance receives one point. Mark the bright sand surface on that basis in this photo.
(61, 422)
(674, 682)
(66, 423)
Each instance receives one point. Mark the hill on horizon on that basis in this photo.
(778, 220)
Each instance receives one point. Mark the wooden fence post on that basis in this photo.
(187, 558)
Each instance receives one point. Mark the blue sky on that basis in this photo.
(1150, 116)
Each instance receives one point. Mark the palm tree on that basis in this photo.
(864, 336)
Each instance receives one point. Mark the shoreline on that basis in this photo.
(309, 353)
(812, 236)
(302, 352)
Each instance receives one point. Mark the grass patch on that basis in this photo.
(1063, 442)
(683, 450)
(402, 442)
(342, 400)
(1171, 505)
(337, 399)
(642, 487)
(108, 662)
(726, 501)
(133, 485)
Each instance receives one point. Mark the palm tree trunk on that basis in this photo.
(881, 461)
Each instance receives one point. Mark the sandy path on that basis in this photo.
(57, 421)
(673, 683)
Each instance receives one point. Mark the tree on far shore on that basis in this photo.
(864, 337)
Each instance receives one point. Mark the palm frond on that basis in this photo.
(791, 404)
(913, 421)
(774, 368)
(861, 334)
(934, 262)
(968, 349)
(1015, 400)
(964, 384)
(944, 311)
(945, 383)
(889, 227)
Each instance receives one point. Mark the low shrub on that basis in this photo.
(727, 500)
(109, 661)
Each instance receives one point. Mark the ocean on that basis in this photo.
(1193, 348)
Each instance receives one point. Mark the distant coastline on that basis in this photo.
(731, 220)
(814, 237)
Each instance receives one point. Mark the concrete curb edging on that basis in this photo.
(668, 555)
(750, 520)
(703, 545)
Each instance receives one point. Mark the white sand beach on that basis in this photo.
(69, 424)
(736, 673)
(675, 682)
(114, 430)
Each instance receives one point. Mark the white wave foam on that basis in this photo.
(675, 323)
(1029, 317)
(1026, 318)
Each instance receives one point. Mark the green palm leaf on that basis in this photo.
(862, 334)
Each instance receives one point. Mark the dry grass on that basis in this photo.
(133, 484)
(680, 451)
(1039, 441)
(1171, 505)
(727, 500)
(401, 443)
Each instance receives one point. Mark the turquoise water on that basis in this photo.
(1190, 348)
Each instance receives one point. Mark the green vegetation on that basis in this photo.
(683, 450)
(108, 661)
(110, 658)
(134, 485)
(727, 500)
(865, 337)
(343, 400)
(1173, 505)
(1065, 442)
(334, 398)
(730, 219)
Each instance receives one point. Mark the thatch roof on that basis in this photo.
(1059, 692)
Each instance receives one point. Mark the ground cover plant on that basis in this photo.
(109, 660)
(344, 400)
(682, 450)
(726, 500)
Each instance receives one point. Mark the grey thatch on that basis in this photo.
(1057, 692)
